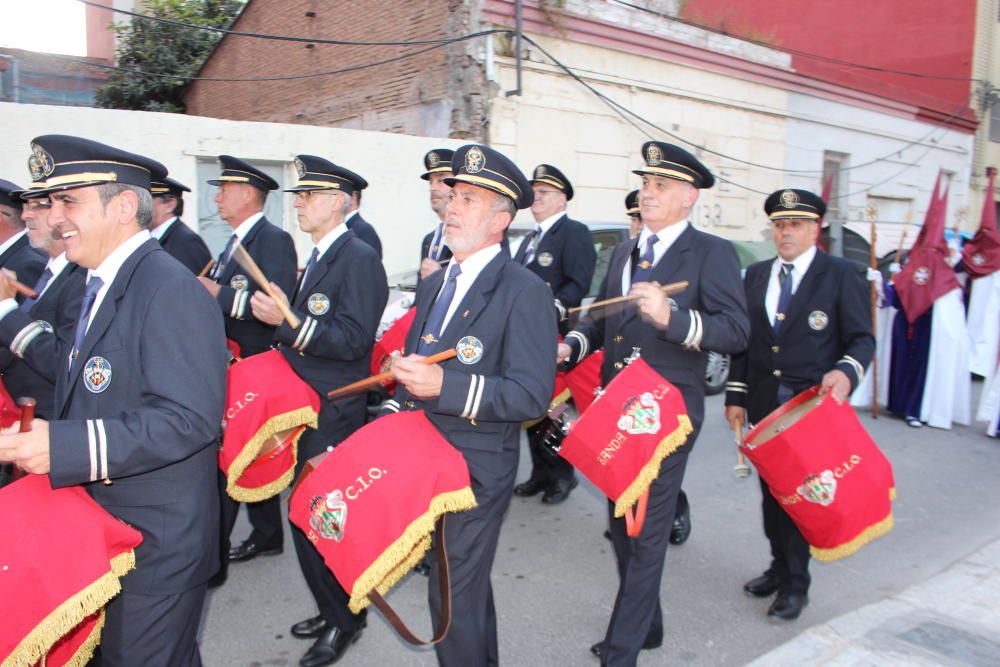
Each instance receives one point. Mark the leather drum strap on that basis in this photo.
(444, 582)
(634, 523)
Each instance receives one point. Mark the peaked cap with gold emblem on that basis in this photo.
(663, 159)
(482, 166)
(316, 173)
(549, 175)
(437, 161)
(64, 162)
(235, 170)
(791, 203)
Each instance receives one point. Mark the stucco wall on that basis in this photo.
(396, 201)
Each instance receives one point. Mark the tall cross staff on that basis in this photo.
(871, 212)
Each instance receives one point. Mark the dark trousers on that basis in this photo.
(265, 520)
(789, 550)
(471, 544)
(637, 613)
(331, 599)
(544, 466)
(151, 630)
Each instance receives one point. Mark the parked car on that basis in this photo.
(606, 236)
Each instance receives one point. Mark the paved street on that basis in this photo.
(554, 576)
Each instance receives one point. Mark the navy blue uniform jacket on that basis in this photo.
(141, 439)
(828, 326)
(184, 245)
(339, 305)
(710, 315)
(31, 359)
(508, 311)
(274, 252)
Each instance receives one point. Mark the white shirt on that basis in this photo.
(108, 270)
(668, 235)
(471, 268)
(242, 231)
(162, 229)
(325, 243)
(544, 226)
(347, 218)
(799, 267)
(11, 241)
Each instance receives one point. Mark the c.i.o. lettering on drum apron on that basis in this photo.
(329, 512)
(822, 488)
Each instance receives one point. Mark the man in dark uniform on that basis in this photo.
(681, 529)
(182, 242)
(339, 300)
(30, 331)
(138, 401)
(500, 318)
(242, 192)
(16, 254)
(673, 336)
(361, 227)
(561, 252)
(809, 324)
(433, 250)
(634, 214)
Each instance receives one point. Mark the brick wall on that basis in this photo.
(423, 95)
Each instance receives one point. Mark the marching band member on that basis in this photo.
(433, 250)
(499, 317)
(673, 336)
(182, 242)
(561, 252)
(339, 300)
(16, 253)
(241, 196)
(138, 400)
(809, 324)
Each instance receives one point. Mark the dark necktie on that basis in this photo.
(435, 319)
(531, 243)
(43, 280)
(224, 257)
(89, 296)
(644, 267)
(310, 265)
(436, 243)
(785, 296)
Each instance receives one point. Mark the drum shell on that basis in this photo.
(826, 472)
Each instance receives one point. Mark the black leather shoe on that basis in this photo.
(788, 606)
(530, 488)
(250, 550)
(309, 628)
(423, 568)
(681, 530)
(559, 491)
(330, 647)
(607, 535)
(647, 645)
(763, 586)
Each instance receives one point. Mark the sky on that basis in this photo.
(51, 26)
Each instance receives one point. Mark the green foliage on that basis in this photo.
(163, 48)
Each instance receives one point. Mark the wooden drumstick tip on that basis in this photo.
(27, 405)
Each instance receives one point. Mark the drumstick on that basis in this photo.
(382, 377)
(21, 288)
(244, 259)
(27, 406)
(741, 469)
(208, 267)
(672, 288)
